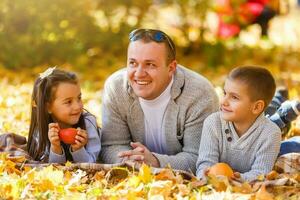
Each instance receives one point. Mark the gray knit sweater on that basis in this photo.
(252, 154)
(193, 98)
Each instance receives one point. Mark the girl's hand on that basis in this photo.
(54, 138)
(80, 140)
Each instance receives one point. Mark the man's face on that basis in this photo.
(147, 69)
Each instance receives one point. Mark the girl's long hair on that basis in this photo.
(43, 93)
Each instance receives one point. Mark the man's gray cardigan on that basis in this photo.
(193, 98)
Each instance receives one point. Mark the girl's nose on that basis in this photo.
(78, 105)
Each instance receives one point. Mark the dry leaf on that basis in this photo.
(263, 194)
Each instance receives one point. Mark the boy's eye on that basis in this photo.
(235, 97)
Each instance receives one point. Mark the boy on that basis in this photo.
(239, 134)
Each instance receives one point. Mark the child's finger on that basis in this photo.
(53, 125)
(81, 135)
(80, 139)
(206, 171)
(82, 132)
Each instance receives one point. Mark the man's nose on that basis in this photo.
(140, 71)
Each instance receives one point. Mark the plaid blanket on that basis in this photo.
(288, 163)
(15, 146)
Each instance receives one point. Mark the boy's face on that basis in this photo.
(236, 104)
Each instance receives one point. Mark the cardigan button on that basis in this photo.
(229, 139)
(227, 131)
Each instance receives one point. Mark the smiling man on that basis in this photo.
(153, 110)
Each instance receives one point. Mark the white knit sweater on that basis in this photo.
(252, 154)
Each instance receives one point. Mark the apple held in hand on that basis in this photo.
(68, 135)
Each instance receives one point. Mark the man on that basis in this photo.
(153, 111)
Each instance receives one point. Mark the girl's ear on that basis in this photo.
(258, 107)
(48, 108)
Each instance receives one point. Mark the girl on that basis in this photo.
(56, 104)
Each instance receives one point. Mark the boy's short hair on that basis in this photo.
(259, 80)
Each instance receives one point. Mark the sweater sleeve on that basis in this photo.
(57, 158)
(115, 132)
(266, 154)
(186, 159)
(90, 152)
(209, 146)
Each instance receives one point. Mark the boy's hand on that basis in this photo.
(236, 175)
(206, 171)
(80, 140)
(54, 138)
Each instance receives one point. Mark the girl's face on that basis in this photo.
(66, 107)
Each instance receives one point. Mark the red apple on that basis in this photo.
(67, 135)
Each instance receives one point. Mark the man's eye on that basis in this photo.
(132, 64)
(152, 65)
(235, 97)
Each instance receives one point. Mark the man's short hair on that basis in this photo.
(150, 35)
(259, 80)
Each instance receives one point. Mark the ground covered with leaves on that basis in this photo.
(22, 181)
(18, 180)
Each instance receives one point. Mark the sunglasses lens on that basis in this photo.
(155, 35)
(158, 36)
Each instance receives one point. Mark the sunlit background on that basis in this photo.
(90, 37)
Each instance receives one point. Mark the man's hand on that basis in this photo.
(80, 140)
(140, 154)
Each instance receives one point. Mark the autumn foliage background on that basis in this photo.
(90, 37)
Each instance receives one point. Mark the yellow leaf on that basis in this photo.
(45, 185)
(134, 181)
(68, 175)
(145, 174)
(68, 164)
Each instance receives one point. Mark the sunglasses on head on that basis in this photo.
(155, 35)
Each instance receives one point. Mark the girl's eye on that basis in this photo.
(68, 102)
